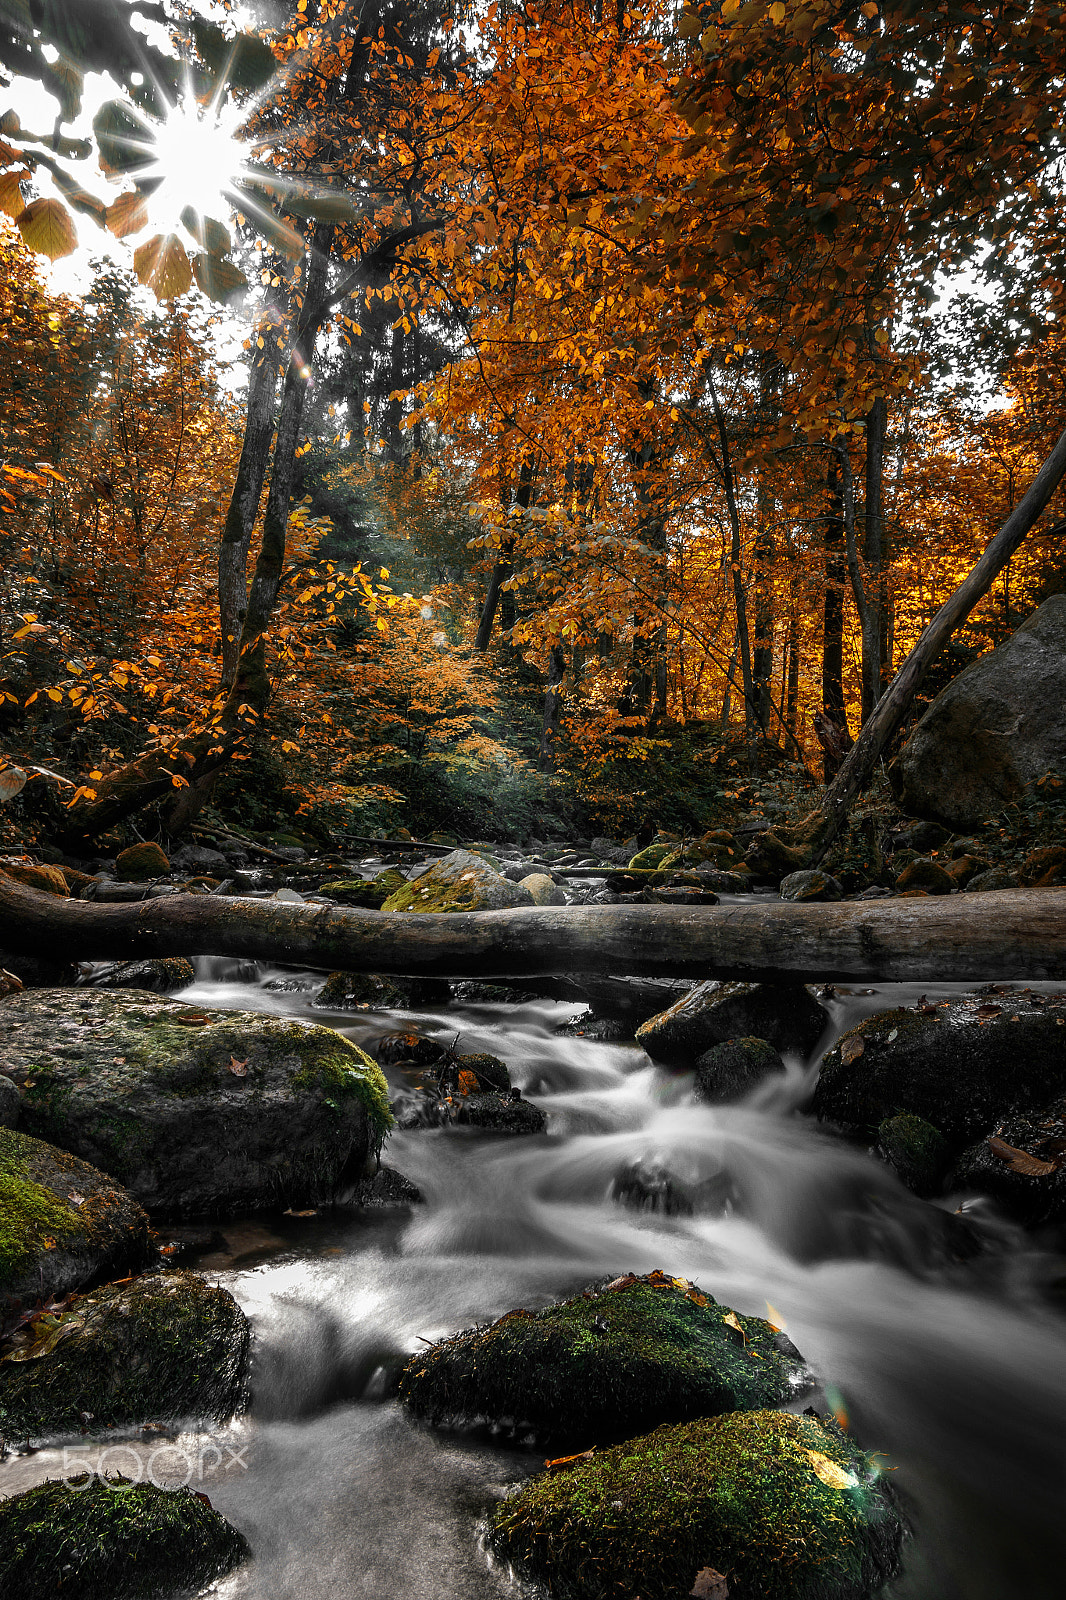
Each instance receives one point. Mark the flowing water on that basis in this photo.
(948, 1361)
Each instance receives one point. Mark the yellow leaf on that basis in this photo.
(11, 200)
(835, 1476)
(47, 226)
(777, 12)
(163, 266)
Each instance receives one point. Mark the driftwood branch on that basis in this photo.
(1009, 934)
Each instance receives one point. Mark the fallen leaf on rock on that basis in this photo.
(291, 1213)
(1020, 1161)
(733, 1321)
(75, 1198)
(624, 1282)
(568, 1461)
(191, 1019)
(836, 1477)
(118, 1061)
(238, 1068)
(851, 1050)
(710, 1584)
(468, 1083)
(989, 1011)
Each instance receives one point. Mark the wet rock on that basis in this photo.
(996, 727)
(917, 1152)
(478, 1072)
(386, 1188)
(784, 1505)
(1044, 868)
(994, 878)
(730, 1070)
(921, 837)
(543, 891)
(646, 1185)
(769, 859)
(963, 869)
(365, 894)
(925, 873)
(62, 1224)
(653, 855)
(140, 862)
(9, 1102)
(960, 1066)
(810, 885)
(167, 1347)
(474, 992)
(198, 858)
(681, 896)
(160, 974)
(1021, 1164)
(786, 1014)
(361, 991)
(197, 1113)
(460, 882)
(94, 1538)
(504, 1112)
(605, 1364)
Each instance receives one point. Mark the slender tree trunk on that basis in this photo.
(874, 557)
(553, 706)
(824, 825)
(495, 594)
(739, 597)
(833, 613)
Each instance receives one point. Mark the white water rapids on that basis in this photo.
(954, 1369)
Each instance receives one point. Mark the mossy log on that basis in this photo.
(1011, 934)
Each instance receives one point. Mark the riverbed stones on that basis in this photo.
(491, 1111)
(460, 881)
(925, 873)
(916, 1151)
(810, 885)
(543, 891)
(62, 1224)
(730, 1070)
(168, 1347)
(785, 1014)
(196, 1113)
(93, 1538)
(359, 991)
(759, 1505)
(366, 894)
(605, 1364)
(1021, 1164)
(160, 974)
(9, 1102)
(960, 1065)
(996, 727)
(141, 862)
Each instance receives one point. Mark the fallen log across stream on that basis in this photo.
(1002, 934)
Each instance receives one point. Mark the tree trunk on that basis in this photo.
(824, 825)
(496, 594)
(1013, 934)
(553, 707)
(874, 553)
(833, 616)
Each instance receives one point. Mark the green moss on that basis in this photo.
(166, 1347)
(110, 1539)
(30, 1214)
(918, 1151)
(430, 894)
(653, 855)
(360, 892)
(348, 1074)
(606, 1363)
(786, 1507)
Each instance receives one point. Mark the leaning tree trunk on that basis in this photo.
(1013, 934)
(823, 826)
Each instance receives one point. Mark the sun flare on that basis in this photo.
(197, 158)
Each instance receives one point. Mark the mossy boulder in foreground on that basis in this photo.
(608, 1362)
(62, 1224)
(110, 1539)
(164, 1348)
(783, 1507)
(196, 1113)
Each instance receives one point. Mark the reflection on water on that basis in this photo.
(935, 1328)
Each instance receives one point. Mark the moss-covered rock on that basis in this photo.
(963, 869)
(62, 1224)
(606, 1363)
(653, 855)
(165, 1348)
(9, 1102)
(140, 862)
(810, 885)
(360, 991)
(1021, 1165)
(994, 878)
(94, 1538)
(49, 880)
(368, 894)
(959, 1066)
(197, 1113)
(160, 974)
(733, 1069)
(925, 873)
(786, 1014)
(916, 1150)
(784, 1507)
(461, 881)
(493, 1111)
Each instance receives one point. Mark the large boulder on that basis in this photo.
(606, 1363)
(1022, 1165)
(458, 882)
(728, 1071)
(196, 1113)
(997, 726)
(161, 974)
(759, 1505)
(62, 1224)
(960, 1065)
(167, 1347)
(785, 1014)
(93, 1538)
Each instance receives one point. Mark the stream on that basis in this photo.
(953, 1368)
